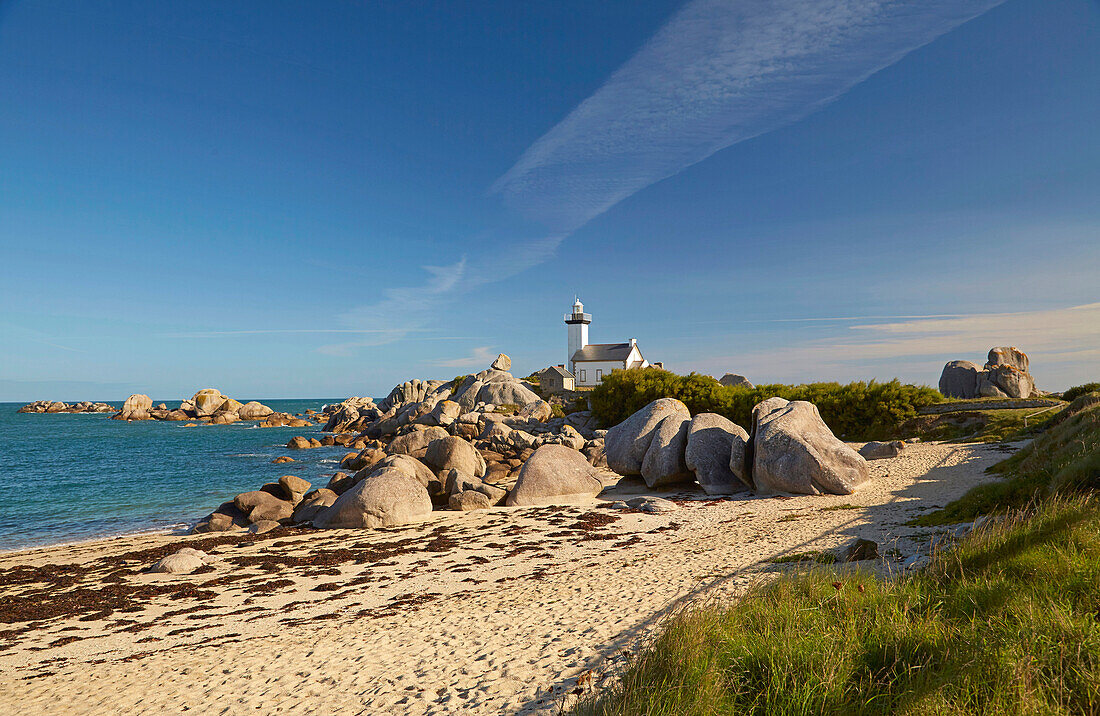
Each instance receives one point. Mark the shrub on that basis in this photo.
(1079, 390)
(857, 411)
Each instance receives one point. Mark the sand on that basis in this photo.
(487, 612)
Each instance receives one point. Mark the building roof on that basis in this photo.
(603, 352)
(559, 371)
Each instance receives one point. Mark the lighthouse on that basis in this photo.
(578, 322)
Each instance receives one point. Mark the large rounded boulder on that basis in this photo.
(454, 453)
(387, 498)
(794, 451)
(416, 443)
(506, 393)
(959, 379)
(664, 460)
(716, 453)
(626, 444)
(554, 474)
(207, 401)
(1006, 380)
(253, 410)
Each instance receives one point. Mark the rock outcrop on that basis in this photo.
(1005, 375)
(733, 380)
(56, 406)
(454, 453)
(416, 443)
(136, 407)
(253, 410)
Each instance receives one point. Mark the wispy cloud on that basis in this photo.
(716, 74)
(264, 331)
(1064, 345)
(400, 311)
(480, 357)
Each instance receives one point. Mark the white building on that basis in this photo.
(591, 362)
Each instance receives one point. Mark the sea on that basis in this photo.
(77, 477)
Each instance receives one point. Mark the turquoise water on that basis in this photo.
(78, 477)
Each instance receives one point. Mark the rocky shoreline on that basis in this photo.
(458, 446)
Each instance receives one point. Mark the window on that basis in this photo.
(584, 375)
(599, 376)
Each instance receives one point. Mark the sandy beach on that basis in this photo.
(485, 612)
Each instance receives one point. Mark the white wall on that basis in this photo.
(591, 368)
(578, 338)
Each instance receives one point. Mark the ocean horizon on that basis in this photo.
(77, 477)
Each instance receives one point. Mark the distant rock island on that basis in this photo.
(56, 406)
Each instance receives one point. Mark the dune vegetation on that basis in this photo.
(1003, 620)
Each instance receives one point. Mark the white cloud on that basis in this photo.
(400, 311)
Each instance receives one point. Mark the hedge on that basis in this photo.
(1079, 390)
(856, 411)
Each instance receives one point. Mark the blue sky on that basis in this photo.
(285, 201)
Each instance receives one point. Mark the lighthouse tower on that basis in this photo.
(578, 322)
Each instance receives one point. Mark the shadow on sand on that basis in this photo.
(939, 485)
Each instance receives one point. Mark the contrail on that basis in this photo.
(718, 73)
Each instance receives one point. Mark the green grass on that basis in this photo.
(1064, 459)
(982, 427)
(1005, 622)
(845, 506)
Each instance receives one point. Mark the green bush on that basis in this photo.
(1079, 390)
(857, 411)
